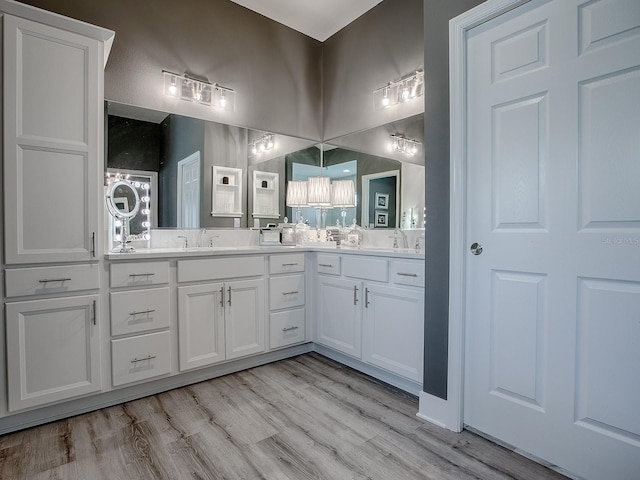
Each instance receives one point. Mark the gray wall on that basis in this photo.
(436, 59)
(383, 45)
(275, 71)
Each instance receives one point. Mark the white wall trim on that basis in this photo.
(449, 413)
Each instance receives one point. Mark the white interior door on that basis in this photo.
(553, 197)
(189, 191)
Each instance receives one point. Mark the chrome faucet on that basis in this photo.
(186, 241)
(405, 242)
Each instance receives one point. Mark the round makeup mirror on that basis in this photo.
(123, 203)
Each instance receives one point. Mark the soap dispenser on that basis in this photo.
(354, 237)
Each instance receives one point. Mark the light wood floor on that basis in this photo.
(302, 418)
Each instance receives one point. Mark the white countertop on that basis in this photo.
(153, 253)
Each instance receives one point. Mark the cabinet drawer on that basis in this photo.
(366, 268)
(286, 263)
(407, 273)
(219, 268)
(141, 357)
(286, 291)
(43, 280)
(139, 274)
(139, 310)
(328, 264)
(286, 328)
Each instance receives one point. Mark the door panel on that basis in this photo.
(553, 190)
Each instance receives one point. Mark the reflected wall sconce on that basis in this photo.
(200, 91)
(400, 91)
(263, 144)
(399, 143)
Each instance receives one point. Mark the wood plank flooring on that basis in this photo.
(301, 418)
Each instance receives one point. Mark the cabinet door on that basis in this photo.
(339, 315)
(52, 131)
(393, 329)
(53, 350)
(201, 325)
(245, 318)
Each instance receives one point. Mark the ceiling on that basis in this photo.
(318, 19)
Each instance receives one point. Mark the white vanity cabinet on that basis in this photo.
(287, 300)
(222, 316)
(372, 308)
(53, 350)
(393, 322)
(52, 146)
(140, 305)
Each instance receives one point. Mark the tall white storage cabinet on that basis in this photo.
(52, 102)
(52, 97)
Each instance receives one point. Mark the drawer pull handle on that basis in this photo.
(355, 295)
(94, 312)
(290, 293)
(148, 357)
(141, 312)
(51, 280)
(93, 244)
(222, 296)
(229, 290)
(141, 274)
(402, 274)
(328, 265)
(288, 329)
(289, 264)
(366, 298)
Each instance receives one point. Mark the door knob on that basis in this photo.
(476, 248)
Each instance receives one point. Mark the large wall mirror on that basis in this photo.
(197, 169)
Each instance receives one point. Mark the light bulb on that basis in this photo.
(118, 238)
(262, 147)
(146, 211)
(405, 92)
(254, 149)
(385, 97)
(118, 223)
(145, 199)
(145, 186)
(136, 184)
(270, 144)
(223, 99)
(145, 224)
(173, 89)
(414, 149)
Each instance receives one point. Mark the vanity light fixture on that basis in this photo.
(400, 91)
(399, 143)
(263, 144)
(199, 91)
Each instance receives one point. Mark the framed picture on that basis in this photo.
(382, 218)
(382, 201)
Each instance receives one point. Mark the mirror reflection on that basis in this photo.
(205, 174)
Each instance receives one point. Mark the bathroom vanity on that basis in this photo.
(86, 328)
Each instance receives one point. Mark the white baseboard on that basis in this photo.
(434, 410)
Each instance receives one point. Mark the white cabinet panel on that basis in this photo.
(140, 357)
(289, 263)
(203, 270)
(53, 92)
(201, 325)
(366, 268)
(286, 292)
(339, 315)
(140, 310)
(45, 280)
(393, 329)
(53, 350)
(286, 327)
(245, 318)
(139, 274)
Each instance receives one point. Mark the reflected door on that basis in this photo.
(189, 192)
(553, 196)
